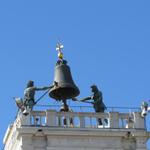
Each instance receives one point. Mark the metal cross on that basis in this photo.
(59, 47)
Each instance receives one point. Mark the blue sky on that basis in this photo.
(105, 42)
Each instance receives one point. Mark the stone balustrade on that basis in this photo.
(53, 118)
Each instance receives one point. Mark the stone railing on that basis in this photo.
(52, 118)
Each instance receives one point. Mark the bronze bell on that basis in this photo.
(66, 88)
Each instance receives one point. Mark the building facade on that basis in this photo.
(52, 130)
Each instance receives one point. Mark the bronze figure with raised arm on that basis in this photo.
(26, 104)
(29, 93)
(97, 101)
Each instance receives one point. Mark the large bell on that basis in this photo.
(66, 88)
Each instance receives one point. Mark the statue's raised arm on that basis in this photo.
(29, 93)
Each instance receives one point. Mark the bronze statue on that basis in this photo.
(26, 104)
(97, 101)
(29, 93)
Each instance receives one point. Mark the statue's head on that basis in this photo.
(94, 88)
(30, 83)
(144, 109)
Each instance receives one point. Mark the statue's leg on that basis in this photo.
(100, 121)
(106, 121)
(31, 103)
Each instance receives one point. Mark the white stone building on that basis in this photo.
(45, 130)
